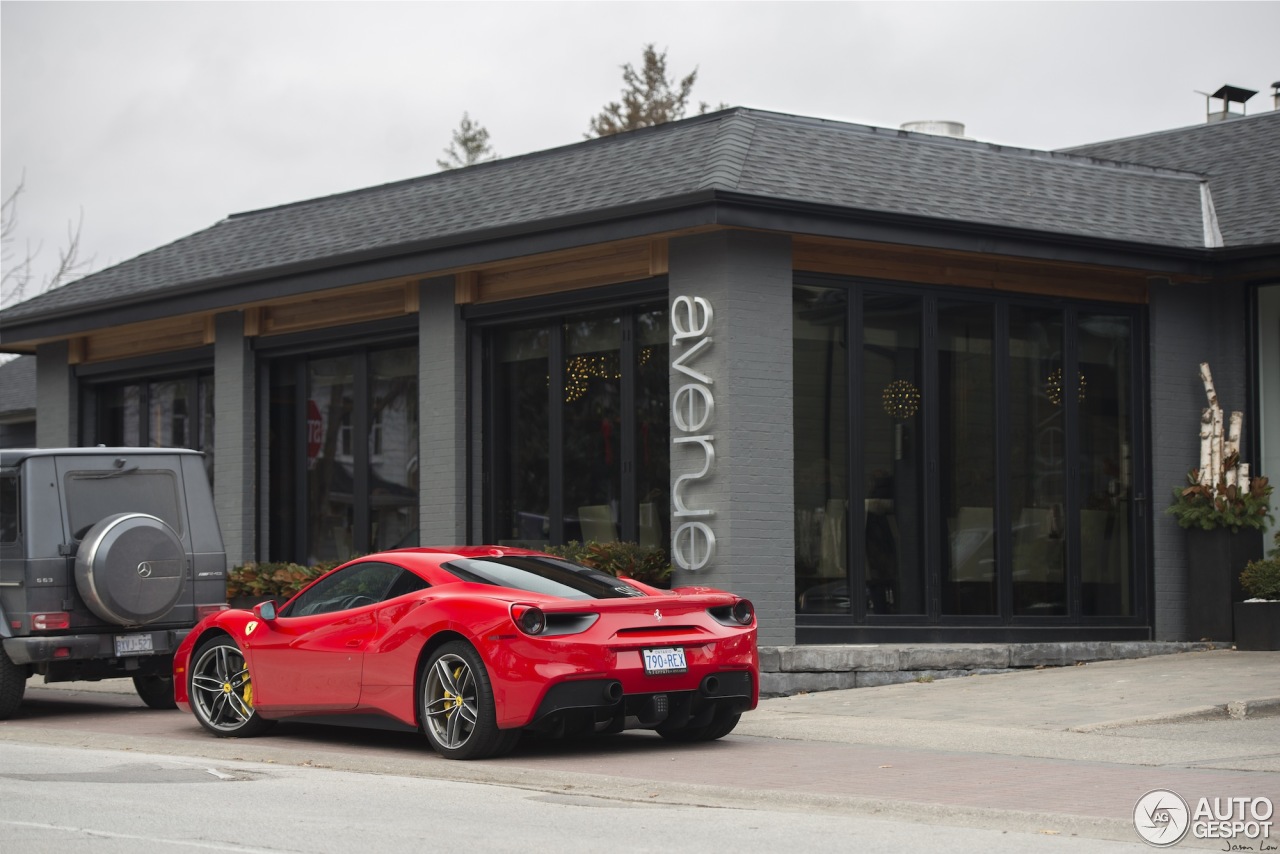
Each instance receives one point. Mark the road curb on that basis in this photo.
(1235, 709)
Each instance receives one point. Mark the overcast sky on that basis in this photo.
(157, 119)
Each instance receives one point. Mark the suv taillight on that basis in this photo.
(50, 622)
(203, 611)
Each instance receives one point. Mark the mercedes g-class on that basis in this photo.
(108, 558)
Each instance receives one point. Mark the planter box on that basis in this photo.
(1257, 625)
(1215, 560)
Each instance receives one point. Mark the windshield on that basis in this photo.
(542, 575)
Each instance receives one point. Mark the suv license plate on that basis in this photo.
(666, 660)
(134, 645)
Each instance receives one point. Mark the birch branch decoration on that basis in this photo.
(1221, 492)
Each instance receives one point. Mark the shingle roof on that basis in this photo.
(836, 168)
(1239, 158)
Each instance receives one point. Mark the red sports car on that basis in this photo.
(475, 645)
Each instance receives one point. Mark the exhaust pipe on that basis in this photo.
(710, 686)
(613, 692)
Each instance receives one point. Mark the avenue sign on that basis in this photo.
(693, 542)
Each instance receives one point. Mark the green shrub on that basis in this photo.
(1261, 578)
(1220, 505)
(646, 564)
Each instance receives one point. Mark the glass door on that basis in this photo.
(577, 437)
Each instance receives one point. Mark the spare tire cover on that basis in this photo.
(130, 569)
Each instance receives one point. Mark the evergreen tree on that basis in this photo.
(648, 97)
(470, 145)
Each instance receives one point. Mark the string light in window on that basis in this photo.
(901, 399)
(1053, 387)
(579, 371)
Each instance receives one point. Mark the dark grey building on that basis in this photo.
(892, 386)
(18, 402)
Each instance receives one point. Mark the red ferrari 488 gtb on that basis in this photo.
(475, 645)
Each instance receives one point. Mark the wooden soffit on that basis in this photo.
(569, 270)
(142, 339)
(378, 301)
(968, 270)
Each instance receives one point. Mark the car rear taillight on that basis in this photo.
(529, 619)
(744, 612)
(203, 611)
(50, 622)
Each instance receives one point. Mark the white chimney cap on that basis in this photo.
(937, 128)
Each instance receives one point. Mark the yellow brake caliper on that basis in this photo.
(246, 696)
(452, 700)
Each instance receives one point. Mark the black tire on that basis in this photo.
(456, 707)
(155, 691)
(722, 723)
(13, 684)
(220, 691)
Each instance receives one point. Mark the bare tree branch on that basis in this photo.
(19, 260)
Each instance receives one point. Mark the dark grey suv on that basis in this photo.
(108, 557)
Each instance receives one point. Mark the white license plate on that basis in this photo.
(134, 645)
(666, 660)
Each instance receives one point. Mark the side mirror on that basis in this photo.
(265, 610)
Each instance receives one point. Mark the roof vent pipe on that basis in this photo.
(937, 128)
(1228, 95)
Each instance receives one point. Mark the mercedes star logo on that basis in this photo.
(144, 569)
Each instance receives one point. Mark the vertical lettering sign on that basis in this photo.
(693, 406)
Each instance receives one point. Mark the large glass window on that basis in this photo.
(330, 477)
(393, 448)
(175, 412)
(1037, 460)
(577, 429)
(343, 457)
(967, 456)
(591, 465)
(994, 443)
(821, 373)
(521, 446)
(1105, 494)
(893, 447)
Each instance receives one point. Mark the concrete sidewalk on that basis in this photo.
(1216, 709)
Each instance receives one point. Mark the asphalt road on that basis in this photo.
(1058, 754)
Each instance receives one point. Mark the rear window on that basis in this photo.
(542, 575)
(94, 495)
(8, 508)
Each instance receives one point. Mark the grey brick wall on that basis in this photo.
(747, 279)
(1190, 324)
(442, 415)
(57, 409)
(235, 449)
